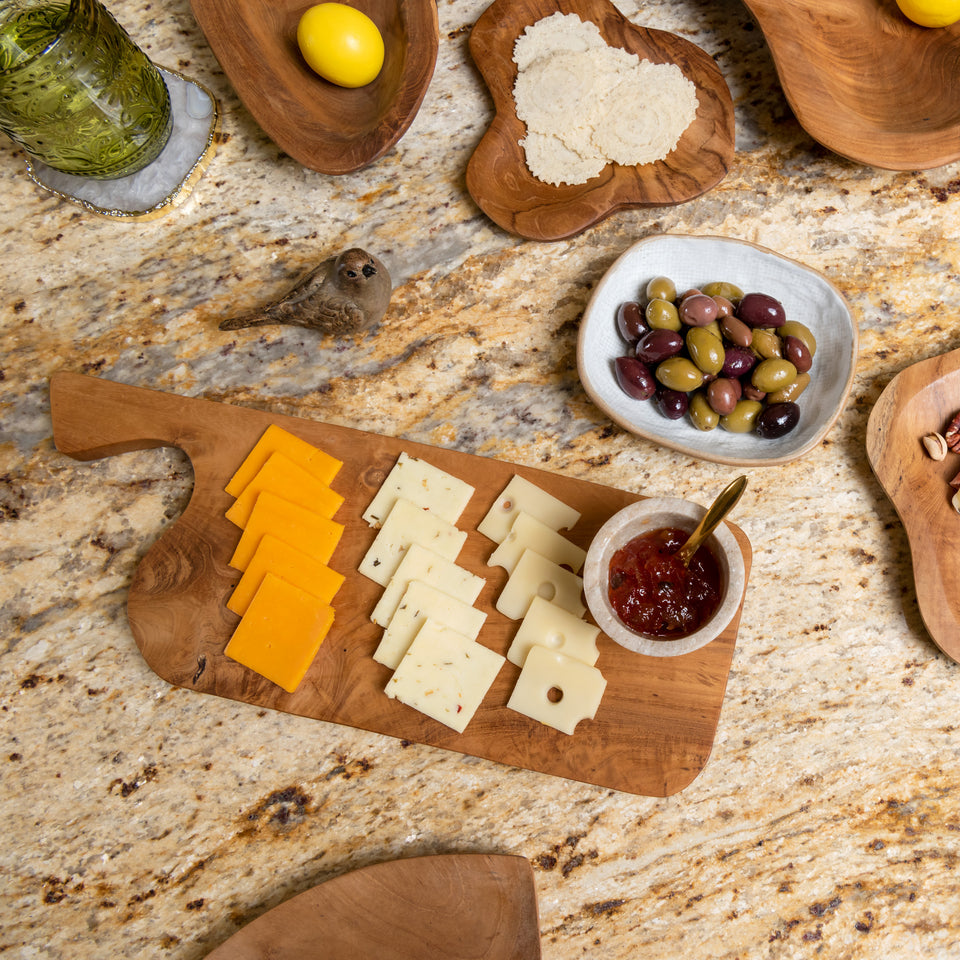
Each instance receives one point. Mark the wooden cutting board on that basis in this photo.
(445, 907)
(652, 733)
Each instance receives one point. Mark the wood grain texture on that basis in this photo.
(497, 174)
(865, 81)
(919, 400)
(327, 128)
(446, 907)
(653, 732)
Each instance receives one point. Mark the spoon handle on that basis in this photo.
(720, 507)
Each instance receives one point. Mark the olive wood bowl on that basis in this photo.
(326, 128)
(497, 174)
(922, 399)
(865, 81)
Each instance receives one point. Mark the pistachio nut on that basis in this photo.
(935, 445)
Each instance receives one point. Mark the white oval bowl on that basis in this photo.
(806, 295)
(634, 520)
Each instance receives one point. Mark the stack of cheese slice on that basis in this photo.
(284, 505)
(426, 608)
(554, 646)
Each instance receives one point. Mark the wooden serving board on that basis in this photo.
(922, 399)
(655, 726)
(445, 907)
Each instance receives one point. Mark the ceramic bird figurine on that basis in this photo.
(346, 294)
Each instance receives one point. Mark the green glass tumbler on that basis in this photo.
(76, 92)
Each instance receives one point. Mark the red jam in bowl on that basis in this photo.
(653, 593)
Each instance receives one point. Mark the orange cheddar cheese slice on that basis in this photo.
(295, 525)
(275, 439)
(285, 478)
(274, 556)
(281, 632)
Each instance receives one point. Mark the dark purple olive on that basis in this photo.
(737, 361)
(630, 321)
(777, 419)
(673, 404)
(635, 378)
(698, 310)
(657, 345)
(797, 352)
(761, 310)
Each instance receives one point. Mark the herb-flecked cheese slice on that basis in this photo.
(421, 483)
(445, 675)
(407, 524)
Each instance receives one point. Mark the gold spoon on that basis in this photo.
(720, 507)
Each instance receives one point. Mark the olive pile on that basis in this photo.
(717, 355)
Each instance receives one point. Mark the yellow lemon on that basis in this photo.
(931, 13)
(340, 43)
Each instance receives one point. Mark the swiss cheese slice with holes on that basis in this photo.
(421, 602)
(536, 576)
(444, 675)
(423, 484)
(527, 532)
(557, 690)
(547, 625)
(407, 524)
(520, 494)
(419, 563)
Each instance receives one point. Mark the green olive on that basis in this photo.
(773, 374)
(662, 315)
(661, 288)
(679, 373)
(766, 344)
(714, 328)
(702, 415)
(794, 328)
(705, 350)
(743, 417)
(720, 288)
(791, 392)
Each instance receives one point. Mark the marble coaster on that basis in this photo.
(162, 184)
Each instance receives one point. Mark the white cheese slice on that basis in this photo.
(407, 524)
(423, 484)
(421, 602)
(419, 563)
(445, 675)
(520, 494)
(557, 690)
(536, 576)
(529, 532)
(550, 626)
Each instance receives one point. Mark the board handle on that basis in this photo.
(94, 418)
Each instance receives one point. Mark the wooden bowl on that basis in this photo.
(327, 128)
(497, 174)
(806, 295)
(919, 400)
(643, 517)
(865, 81)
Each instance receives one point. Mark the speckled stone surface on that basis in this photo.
(143, 820)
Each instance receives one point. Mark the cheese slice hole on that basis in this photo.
(546, 590)
(554, 694)
(555, 640)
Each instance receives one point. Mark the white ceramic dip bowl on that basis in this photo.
(635, 520)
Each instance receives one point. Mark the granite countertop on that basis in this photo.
(147, 820)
